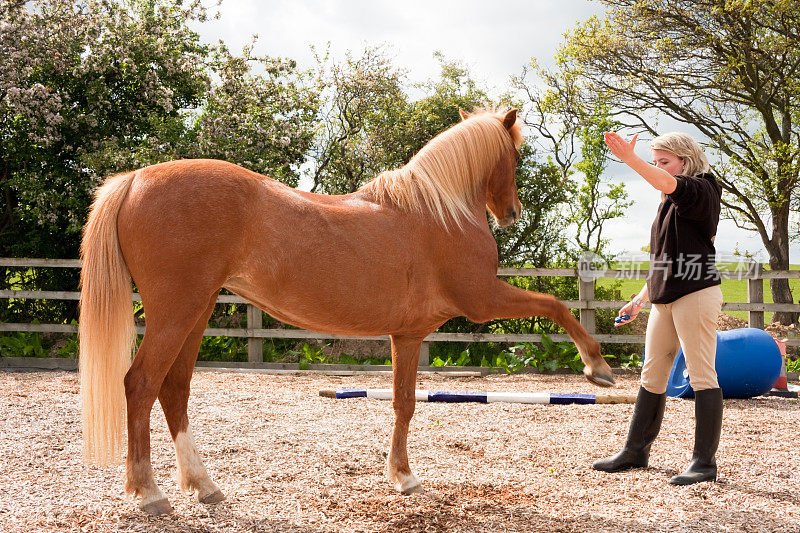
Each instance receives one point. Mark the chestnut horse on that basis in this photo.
(400, 256)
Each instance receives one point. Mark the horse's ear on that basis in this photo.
(464, 115)
(510, 119)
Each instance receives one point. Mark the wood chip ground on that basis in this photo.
(290, 460)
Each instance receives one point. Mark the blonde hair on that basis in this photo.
(446, 172)
(684, 146)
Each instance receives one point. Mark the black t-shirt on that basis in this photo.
(682, 252)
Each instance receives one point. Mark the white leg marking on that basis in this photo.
(191, 472)
(150, 495)
(407, 483)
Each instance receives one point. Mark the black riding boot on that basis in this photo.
(708, 426)
(645, 424)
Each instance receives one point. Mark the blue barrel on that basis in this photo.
(748, 364)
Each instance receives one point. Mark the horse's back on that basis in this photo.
(185, 219)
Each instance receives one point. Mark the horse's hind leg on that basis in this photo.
(174, 399)
(405, 357)
(169, 322)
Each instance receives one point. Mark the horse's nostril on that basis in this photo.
(512, 213)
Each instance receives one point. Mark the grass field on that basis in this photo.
(733, 290)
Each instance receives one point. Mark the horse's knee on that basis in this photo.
(404, 408)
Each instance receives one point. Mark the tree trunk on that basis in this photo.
(778, 249)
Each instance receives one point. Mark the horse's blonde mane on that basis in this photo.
(445, 174)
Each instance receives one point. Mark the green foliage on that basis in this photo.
(571, 131)
(264, 122)
(22, 344)
(792, 365)
(45, 311)
(347, 359)
(309, 355)
(35, 344)
(70, 348)
(631, 360)
(546, 356)
(370, 123)
(364, 101)
(223, 349)
(80, 81)
(463, 359)
(549, 356)
(466, 358)
(538, 237)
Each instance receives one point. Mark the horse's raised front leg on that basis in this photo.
(174, 399)
(405, 357)
(506, 301)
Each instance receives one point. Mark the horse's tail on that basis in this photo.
(107, 333)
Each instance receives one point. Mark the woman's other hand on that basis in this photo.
(628, 313)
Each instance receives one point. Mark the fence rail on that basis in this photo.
(585, 304)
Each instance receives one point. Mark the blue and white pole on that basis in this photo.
(485, 397)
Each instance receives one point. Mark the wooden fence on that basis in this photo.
(586, 304)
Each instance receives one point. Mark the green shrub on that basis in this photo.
(22, 344)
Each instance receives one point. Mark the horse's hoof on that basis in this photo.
(416, 489)
(601, 378)
(161, 506)
(409, 484)
(214, 497)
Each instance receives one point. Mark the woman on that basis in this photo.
(684, 288)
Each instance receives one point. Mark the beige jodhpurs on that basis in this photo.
(690, 322)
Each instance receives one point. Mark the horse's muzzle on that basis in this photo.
(512, 215)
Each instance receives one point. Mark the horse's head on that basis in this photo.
(502, 200)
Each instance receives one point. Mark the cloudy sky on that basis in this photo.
(495, 38)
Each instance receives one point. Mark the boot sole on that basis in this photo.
(621, 468)
(682, 481)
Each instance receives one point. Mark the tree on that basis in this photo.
(81, 83)
(363, 135)
(591, 206)
(370, 123)
(437, 109)
(538, 238)
(362, 99)
(572, 134)
(729, 68)
(264, 122)
(92, 88)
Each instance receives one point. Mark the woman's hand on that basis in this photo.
(620, 147)
(629, 312)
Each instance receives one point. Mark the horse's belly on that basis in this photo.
(367, 312)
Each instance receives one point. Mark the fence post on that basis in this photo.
(755, 295)
(425, 354)
(255, 345)
(585, 295)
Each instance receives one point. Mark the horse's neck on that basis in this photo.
(379, 191)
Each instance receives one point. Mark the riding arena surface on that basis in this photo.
(289, 460)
